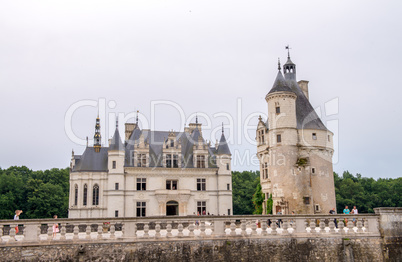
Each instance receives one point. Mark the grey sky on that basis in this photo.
(203, 56)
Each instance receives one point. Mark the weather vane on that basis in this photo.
(288, 48)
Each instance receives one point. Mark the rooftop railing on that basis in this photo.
(31, 231)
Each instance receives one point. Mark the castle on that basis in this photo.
(294, 149)
(151, 173)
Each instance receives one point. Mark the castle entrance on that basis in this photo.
(172, 208)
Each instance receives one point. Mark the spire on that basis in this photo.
(222, 129)
(223, 148)
(116, 143)
(136, 119)
(117, 122)
(97, 136)
(279, 64)
(196, 118)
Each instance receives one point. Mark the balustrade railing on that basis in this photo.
(158, 228)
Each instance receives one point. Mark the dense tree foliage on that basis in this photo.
(244, 185)
(367, 193)
(40, 194)
(258, 199)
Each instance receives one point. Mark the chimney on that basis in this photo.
(304, 87)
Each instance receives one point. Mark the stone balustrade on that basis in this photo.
(189, 227)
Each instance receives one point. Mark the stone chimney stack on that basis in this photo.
(304, 87)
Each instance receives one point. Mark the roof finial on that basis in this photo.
(117, 122)
(136, 119)
(196, 118)
(279, 64)
(87, 141)
(288, 48)
(222, 128)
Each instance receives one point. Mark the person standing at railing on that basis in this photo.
(55, 227)
(17, 217)
(354, 212)
(346, 211)
(333, 212)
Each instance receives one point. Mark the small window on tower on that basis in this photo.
(278, 110)
(116, 186)
(278, 138)
(329, 139)
(314, 136)
(114, 164)
(313, 170)
(227, 166)
(306, 200)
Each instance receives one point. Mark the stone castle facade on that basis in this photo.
(295, 150)
(151, 173)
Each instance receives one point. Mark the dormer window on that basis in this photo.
(141, 160)
(171, 143)
(314, 136)
(200, 161)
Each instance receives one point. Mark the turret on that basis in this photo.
(289, 68)
(116, 153)
(281, 104)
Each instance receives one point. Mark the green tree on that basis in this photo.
(258, 199)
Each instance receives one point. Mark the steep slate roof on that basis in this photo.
(280, 84)
(116, 143)
(223, 148)
(92, 161)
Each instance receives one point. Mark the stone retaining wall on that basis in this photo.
(244, 249)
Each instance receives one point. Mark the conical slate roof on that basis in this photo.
(223, 148)
(116, 143)
(280, 84)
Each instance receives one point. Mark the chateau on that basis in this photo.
(151, 173)
(294, 149)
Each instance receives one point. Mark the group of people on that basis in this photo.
(55, 226)
(346, 211)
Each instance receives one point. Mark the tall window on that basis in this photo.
(201, 207)
(75, 195)
(171, 143)
(84, 202)
(116, 213)
(201, 161)
(141, 209)
(95, 195)
(278, 110)
(227, 166)
(171, 184)
(228, 186)
(168, 160)
(175, 161)
(114, 164)
(141, 184)
(201, 184)
(116, 186)
(264, 170)
(229, 212)
(278, 138)
(141, 160)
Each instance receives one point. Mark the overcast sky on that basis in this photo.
(210, 57)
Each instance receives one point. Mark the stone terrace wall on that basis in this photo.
(263, 249)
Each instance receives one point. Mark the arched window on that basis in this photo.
(75, 195)
(84, 202)
(95, 195)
